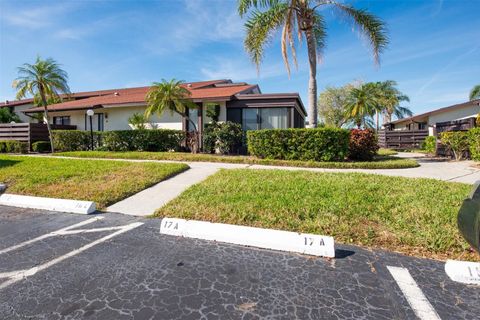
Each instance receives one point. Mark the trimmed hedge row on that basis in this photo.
(41, 146)
(12, 146)
(121, 140)
(74, 140)
(142, 140)
(321, 144)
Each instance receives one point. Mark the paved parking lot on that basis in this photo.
(111, 266)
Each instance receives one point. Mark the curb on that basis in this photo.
(51, 204)
(303, 243)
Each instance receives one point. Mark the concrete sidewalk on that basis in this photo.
(147, 201)
(453, 171)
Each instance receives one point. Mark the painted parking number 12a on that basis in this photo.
(310, 241)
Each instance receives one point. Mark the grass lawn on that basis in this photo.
(381, 161)
(413, 216)
(386, 152)
(104, 182)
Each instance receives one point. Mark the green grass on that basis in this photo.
(386, 152)
(413, 216)
(104, 182)
(380, 162)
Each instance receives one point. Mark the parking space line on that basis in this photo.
(51, 234)
(18, 275)
(415, 297)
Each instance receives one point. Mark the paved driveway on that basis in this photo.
(120, 267)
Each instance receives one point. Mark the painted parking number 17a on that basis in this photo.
(310, 241)
(169, 224)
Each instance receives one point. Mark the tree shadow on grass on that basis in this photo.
(8, 163)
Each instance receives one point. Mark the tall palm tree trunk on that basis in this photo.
(377, 120)
(312, 82)
(45, 118)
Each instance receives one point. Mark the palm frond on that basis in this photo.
(244, 5)
(475, 92)
(320, 32)
(260, 28)
(373, 28)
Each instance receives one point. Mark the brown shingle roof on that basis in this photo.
(449, 108)
(204, 90)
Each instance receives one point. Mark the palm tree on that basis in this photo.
(44, 79)
(475, 92)
(304, 19)
(362, 104)
(389, 99)
(173, 97)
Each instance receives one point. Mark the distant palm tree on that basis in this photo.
(44, 80)
(389, 99)
(173, 97)
(475, 92)
(303, 18)
(362, 104)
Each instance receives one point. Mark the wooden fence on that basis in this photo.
(28, 132)
(405, 139)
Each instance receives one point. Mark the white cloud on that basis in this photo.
(35, 18)
(202, 21)
(241, 70)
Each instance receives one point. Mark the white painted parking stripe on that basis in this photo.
(415, 297)
(18, 275)
(51, 234)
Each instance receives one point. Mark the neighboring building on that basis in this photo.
(239, 102)
(428, 120)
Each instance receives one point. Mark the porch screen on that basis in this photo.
(264, 118)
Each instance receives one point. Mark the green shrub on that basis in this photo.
(430, 144)
(458, 142)
(41, 146)
(474, 135)
(142, 140)
(12, 146)
(224, 138)
(363, 144)
(75, 140)
(321, 144)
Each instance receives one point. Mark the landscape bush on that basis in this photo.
(75, 140)
(142, 140)
(41, 146)
(363, 144)
(474, 137)
(223, 138)
(430, 144)
(12, 146)
(321, 144)
(458, 142)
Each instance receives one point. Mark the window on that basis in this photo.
(250, 119)
(273, 118)
(264, 118)
(422, 126)
(193, 115)
(63, 120)
(98, 122)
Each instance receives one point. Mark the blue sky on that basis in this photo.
(434, 52)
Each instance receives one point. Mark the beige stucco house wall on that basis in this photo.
(116, 117)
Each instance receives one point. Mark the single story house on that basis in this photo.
(242, 103)
(429, 120)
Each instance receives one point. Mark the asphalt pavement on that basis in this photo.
(113, 266)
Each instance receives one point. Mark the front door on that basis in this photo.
(98, 122)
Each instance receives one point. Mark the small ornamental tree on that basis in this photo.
(458, 142)
(363, 144)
